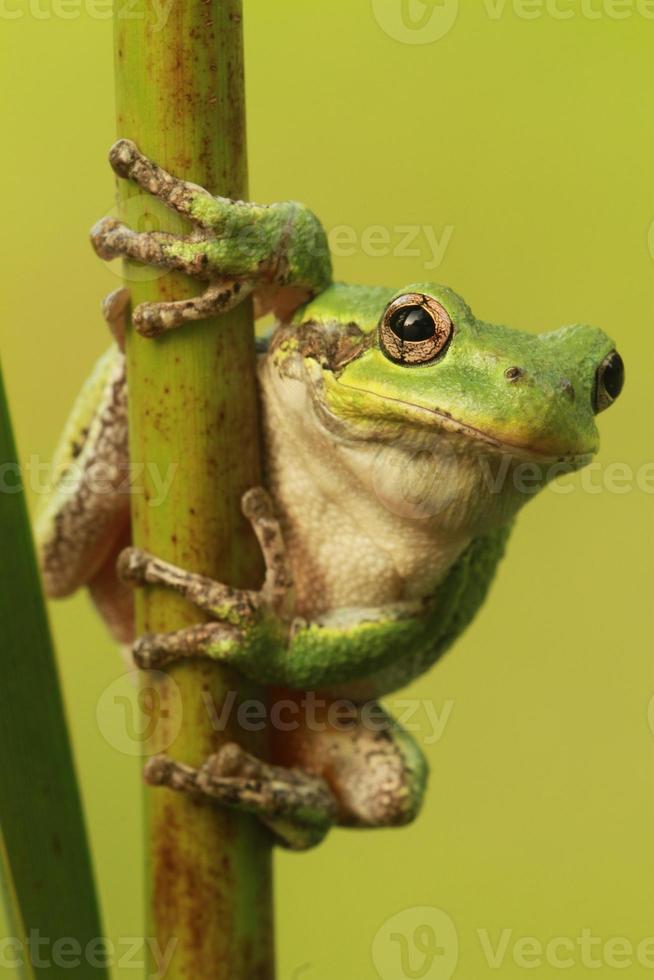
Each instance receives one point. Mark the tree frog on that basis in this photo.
(397, 427)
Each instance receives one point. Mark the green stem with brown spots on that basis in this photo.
(192, 407)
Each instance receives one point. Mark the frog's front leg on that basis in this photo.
(237, 610)
(238, 247)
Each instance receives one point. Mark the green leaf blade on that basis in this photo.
(47, 865)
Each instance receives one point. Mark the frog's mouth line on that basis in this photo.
(450, 424)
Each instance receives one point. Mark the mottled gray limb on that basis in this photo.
(154, 319)
(162, 771)
(111, 238)
(234, 605)
(128, 162)
(297, 806)
(155, 650)
(278, 585)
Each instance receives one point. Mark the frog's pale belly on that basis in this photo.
(345, 545)
(335, 563)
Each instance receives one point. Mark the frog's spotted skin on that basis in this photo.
(396, 425)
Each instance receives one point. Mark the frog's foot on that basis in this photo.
(111, 238)
(236, 610)
(236, 246)
(299, 808)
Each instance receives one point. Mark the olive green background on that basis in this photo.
(530, 137)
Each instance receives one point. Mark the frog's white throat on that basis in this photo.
(400, 512)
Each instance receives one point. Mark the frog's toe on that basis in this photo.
(154, 319)
(217, 641)
(105, 236)
(132, 566)
(128, 162)
(122, 157)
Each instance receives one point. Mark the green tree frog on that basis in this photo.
(397, 431)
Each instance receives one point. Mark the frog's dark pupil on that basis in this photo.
(613, 376)
(411, 324)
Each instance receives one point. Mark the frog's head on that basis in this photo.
(414, 368)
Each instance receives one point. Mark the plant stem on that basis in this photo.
(193, 417)
(43, 847)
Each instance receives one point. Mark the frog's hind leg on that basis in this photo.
(298, 807)
(375, 769)
(84, 520)
(365, 773)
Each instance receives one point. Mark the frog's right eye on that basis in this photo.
(609, 381)
(414, 329)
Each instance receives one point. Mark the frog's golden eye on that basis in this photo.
(414, 329)
(609, 381)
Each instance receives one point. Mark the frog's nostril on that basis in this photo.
(569, 389)
(513, 373)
